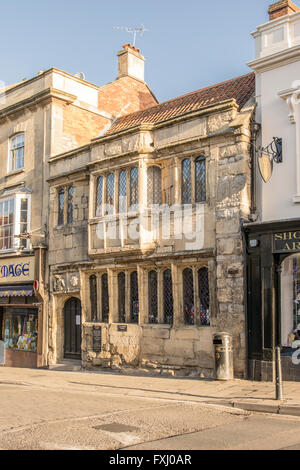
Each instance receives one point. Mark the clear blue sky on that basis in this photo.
(190, 43)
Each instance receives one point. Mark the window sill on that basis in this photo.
(15, 172)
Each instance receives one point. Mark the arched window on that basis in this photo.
(17, 145)
(204, 296)
(188, 296)
(61, 207)
(99, 197)
(168, 296)
(290, 302)
(134, 297)
(186, 186)
(70, 205)
(122, 297)
(110, 192)
(153, 185)
(152, 297)
(134, 188)
(200, 179)
(123, 191)
(93, 297)
(105, 298)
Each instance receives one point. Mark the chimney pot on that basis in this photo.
(282, 8)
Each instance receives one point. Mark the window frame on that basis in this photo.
(64, 211)
(193, 183)
(17, 243)
(12, 151)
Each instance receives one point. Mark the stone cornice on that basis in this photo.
(49, 93)
(82, 174)
(276, 60)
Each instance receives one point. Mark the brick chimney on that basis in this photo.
(282, 8)
(131, 63)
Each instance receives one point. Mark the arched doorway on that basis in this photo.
(72, 327)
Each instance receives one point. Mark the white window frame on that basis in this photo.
(17, 220)
(11, 161)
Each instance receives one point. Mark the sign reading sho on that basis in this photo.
(287, 241)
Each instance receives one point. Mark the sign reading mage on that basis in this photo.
(17, 270)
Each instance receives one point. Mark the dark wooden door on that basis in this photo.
(72, 315)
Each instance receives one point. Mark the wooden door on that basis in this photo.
(72, 316)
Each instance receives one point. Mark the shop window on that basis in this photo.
(70, 205)
(153, 185)
(99, 196)
(93, 297)
(203, 285)
(17, 146)
(14, 221)
(290, 302)
(105, 298)
(20, 327)
(168, 297)
(152, 297)
(186, 181)
(188, 296)
(123, 191)
(121, 298)
(134, 298)
(134, 190)
(200, 179)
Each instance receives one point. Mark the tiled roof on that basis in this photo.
(241, 88)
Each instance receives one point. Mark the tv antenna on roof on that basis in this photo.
(141, 30)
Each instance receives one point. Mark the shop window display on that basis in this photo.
(290, 302)
(20, 328)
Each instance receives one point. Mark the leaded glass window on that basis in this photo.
(110, 192)
(204, 296)
(7, 209)
(105, 298)
(134, 188)
(168, 297)
(154, 185)
(134, 298)
(152, 297)
(188, 296)
(99, 196)
(186, 181)
(70, 205)
(23, 220)
(93, 297)
(17, 152)
(61, 207)
(122, 297)
(123, 191)
(200, 179)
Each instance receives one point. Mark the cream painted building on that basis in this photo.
(152, 263)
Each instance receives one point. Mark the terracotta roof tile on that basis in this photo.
(240, 88)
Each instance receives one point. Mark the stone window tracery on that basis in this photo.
(93, 297)
(152, 297)
(134, 297)
(122, 297)
(168, 297)
(104, 298)
(153, 185)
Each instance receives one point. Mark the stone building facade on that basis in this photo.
(150, 262)
(51, 113)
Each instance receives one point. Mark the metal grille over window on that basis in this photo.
(204, 296)
(24, 220)
(134, 189)
(134, 298)
(123, 191)
(168, 297)
(17, 152)
(61, 206)
(99, 196)
(93, 297)
(110, 192)
(188, 297)
(122, 297)
(7, 224)
(70, 205)
(152, 297)
(186, 182)
(200, 180)
(105, 298)
(154, 185)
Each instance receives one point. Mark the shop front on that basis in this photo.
(19, 313)
(273, 298)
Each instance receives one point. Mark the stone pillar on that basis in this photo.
(177, 296)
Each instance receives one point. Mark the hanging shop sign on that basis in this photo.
(19, 269)
(287, 242)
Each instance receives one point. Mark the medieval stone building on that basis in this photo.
(145, 244)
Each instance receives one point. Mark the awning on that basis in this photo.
(17, 291)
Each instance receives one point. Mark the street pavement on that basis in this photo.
(60, 410)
